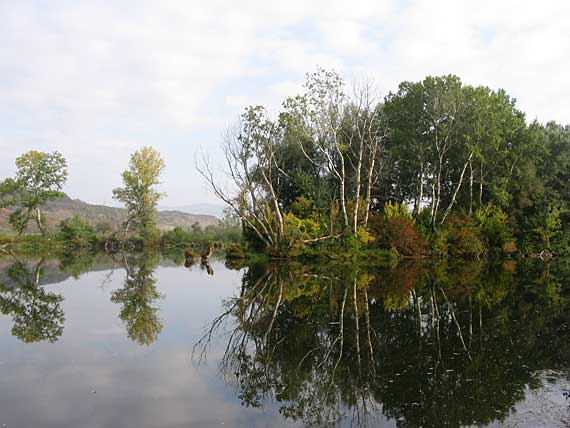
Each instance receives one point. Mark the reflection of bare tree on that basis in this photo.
(136, 297)
(255, 348)
(37, 314)
(352, 345)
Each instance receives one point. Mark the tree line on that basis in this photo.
(447, 166)
(435, 167)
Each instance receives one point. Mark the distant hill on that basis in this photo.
(62, 208)
(205, 208)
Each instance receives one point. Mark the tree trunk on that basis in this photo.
(420, 192)
(481, 186)
(437, 194)
(470, 187)
(432, 205)
(369, 191)
(39, 221)
(357, 189)
(452, 202)
(343, 194)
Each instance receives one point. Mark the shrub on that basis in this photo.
(295, 231)
(439, 242)
(495, 228)
(465, 238)
(235, 252)
(398, 233)
(395, 209)
(77, 232)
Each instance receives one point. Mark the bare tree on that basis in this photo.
(366, 134)
(249, 149)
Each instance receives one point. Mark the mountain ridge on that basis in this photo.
(59, 209)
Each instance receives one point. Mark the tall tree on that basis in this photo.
(39, 177)
(139, 193)
(445, 134)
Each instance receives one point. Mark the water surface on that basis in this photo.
(143, 341)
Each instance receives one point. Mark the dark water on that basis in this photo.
(142, 341)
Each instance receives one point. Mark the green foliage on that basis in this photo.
(457, 164)
(395, 209)
(235, 252)
(223, 232)
(465, 239)
(39, 177)
(295, 232)
(439, 242)
(548, 226)
(364, 236)
(495, 228)
(76, 232)
(139, 193)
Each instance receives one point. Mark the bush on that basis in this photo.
(495, 228)
(395, 209)
(75, 231)
(439, 242)
(295, 231)
(398, 233)
(180, 236)
(465, 238)
(235, 252)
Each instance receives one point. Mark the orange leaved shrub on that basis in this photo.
(397, 232)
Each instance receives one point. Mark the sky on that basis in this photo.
(97, 80)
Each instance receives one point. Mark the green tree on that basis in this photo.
(548, 226)
(75, 231)
(139, 193)
(39, 177)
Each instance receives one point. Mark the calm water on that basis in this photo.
(142, 341)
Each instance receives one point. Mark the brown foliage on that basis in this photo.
(399, 233)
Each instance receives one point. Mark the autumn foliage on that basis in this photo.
(397, 232)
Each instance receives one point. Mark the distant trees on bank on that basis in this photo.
(40, 177)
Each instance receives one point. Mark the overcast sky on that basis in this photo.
(98, 79)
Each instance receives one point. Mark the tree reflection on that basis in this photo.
(445, 345)
(76, 263)
(137, 296)
(36, 313)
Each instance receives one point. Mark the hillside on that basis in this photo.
(59, 209)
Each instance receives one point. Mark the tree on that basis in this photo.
(139, 193)
(250, 151)
(39, 177)
(444, 133)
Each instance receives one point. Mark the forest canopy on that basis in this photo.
(435, 162)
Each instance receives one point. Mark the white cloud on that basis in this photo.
(96, 80)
